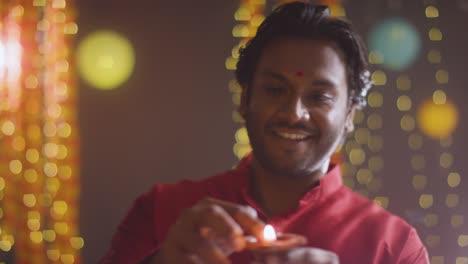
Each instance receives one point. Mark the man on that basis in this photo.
(303, 76)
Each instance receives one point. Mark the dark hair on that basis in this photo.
(309, 21)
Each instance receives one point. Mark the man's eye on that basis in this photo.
(273, 90)
(321, 97)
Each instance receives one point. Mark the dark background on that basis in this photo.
(172, 119)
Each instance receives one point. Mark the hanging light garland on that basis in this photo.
(437, 119)
(39, 185)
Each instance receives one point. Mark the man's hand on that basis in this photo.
(209, 232)
(304, 255)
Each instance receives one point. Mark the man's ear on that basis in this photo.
(243, 105)
(349, 122)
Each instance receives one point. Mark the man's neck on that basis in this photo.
(277, 194)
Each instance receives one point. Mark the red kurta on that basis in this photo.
(331, 216)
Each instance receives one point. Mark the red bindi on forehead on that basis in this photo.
(299, 74)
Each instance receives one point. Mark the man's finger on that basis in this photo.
(245, 216)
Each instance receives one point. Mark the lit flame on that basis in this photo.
(269, 233)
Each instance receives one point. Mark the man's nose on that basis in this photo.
(295, 110)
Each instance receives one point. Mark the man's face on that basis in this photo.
(296, 108)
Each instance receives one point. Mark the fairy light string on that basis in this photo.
(38, 126)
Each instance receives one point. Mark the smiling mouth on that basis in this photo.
(292, 136)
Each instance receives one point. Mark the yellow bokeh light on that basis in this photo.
(16, 166)
(70, 28)
(463, 240)
(357, 156)
(432, 12)
(446, 160)
(442, 76)
(241, 150)
(34, 215)
(379, 78)
(64, 130)
(453, 179)
(431, 220)
(415, 141)
(461, 260)
(231, 63)
(361, 135)
(52, 185)
(404, 103)
(105, 59)
(419, 182)
(29, 200)
(375, 143)
(364, 176)
(435, 34)
(34, 224)
(54, 111)
(8, 128)
(456, 221)
(382, 201)
(257, 20)
(67, 258)
(407, 123)
(49, 235)
(62, 152)
(426, 201)
(432, 241)
(375, 163)
(242, 14)
(241, 136)
(53, 254)
(18, 143)
(437, 260)
(376, 57)
(452, 200)
(30, 175)
(347, 169)
(359, 117)
(437, 120)
(50, 129)
(36, 237)
(64, 172)
(5, 245)
(32, 155)
(439, 97)
(51, 150)
(60, 207)
(403, 82)
(77, 242)
(50, 169)
(434, 57)
(375, 121)
(375, 99)
(61, 228)
(241, 31)
(59, 4)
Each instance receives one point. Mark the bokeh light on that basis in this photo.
(397, 41)
(105, 59)
(437, 120)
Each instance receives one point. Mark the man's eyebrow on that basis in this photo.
(275, 75)
(324, 82)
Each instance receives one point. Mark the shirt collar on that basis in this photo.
(329, 183)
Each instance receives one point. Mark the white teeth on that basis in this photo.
(292, 136)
